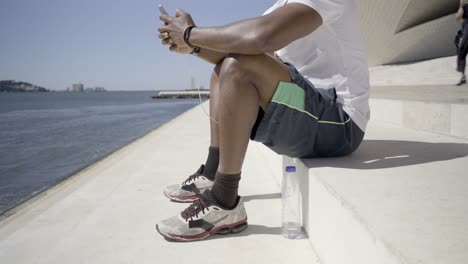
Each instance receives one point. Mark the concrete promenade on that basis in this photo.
(400, 199)
(107, 213)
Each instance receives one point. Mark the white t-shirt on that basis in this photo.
(334, 55)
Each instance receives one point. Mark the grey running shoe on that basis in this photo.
(202, 219)
(191, 189)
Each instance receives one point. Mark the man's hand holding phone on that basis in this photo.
(172, 33)
(162, 10)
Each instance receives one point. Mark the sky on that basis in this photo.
(109, 43)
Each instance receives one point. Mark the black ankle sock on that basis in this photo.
(225, 189)
(212, 162)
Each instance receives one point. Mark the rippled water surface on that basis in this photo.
(45, 137)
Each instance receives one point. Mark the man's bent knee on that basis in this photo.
(236, 66)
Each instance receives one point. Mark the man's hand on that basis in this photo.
(172, 33)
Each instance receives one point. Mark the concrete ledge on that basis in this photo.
(436, 117)
(401, 198)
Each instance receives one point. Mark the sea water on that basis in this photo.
(45, 137)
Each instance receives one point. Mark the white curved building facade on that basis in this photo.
(408, 30)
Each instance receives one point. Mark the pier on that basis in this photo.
(205, 94)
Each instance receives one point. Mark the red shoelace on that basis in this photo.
(194, 209)
(194, 176)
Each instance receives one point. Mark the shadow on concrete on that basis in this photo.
(381, 154)
(267, 196)
(252, 230)
(257, 230)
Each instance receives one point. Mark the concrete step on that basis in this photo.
(401, 198)
(436, 109)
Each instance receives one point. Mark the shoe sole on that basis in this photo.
(221, 230)
(183, 199)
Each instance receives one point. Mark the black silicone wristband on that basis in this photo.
(187, 33)
(195, 51)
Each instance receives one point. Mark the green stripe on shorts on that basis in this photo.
(293, 96)
(290, 94)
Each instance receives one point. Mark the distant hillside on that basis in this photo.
(20, 87)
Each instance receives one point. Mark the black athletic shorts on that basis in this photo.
(302, 121)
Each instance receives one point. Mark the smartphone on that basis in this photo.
(162, 10)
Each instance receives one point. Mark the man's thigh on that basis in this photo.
(266, 72)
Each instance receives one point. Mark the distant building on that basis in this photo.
(77, 87)
(95, 89)
(99, 89)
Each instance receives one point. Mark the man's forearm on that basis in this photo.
(243, 37)
(459, 15)
(260, 35)
(211, 56)
(460, 12)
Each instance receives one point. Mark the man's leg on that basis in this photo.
(212, 161)
(214, 102)
(461, 59)
(203, 178)
(245, 82)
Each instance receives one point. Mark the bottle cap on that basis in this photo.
(290, 169)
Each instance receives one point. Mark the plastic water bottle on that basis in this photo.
(291, 204)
